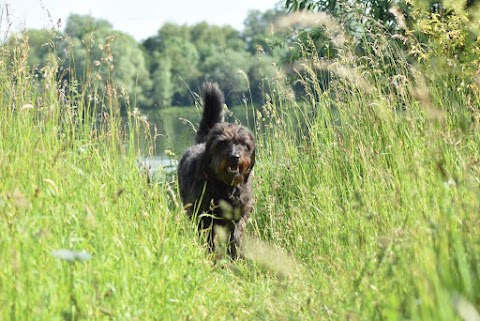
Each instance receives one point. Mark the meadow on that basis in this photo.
(367, 204)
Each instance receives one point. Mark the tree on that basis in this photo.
(262, 77)
(104, 57)
(210, 39)
(162, 92)
(229, 68)
(80, 25)
(382, 11)
(258, 30)
(378, 10)
(172, 43)
(181, 57)
(42, 47)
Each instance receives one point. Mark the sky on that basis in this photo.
(139, 18)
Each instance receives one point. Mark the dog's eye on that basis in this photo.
(248, 147)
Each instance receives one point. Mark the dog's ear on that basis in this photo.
(253, 149)
(204, 163)
(252, 163)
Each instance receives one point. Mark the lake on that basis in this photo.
(172, 131)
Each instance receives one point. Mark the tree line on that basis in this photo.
(167, 68)
(164, 70)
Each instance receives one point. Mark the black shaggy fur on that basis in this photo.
(214, 175)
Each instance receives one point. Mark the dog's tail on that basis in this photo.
(213, 102)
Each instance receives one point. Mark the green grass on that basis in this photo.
(362, 213)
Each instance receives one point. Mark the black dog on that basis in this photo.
(214, 175)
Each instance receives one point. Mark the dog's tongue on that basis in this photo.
(234, 173)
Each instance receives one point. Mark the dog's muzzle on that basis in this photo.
(233, 169)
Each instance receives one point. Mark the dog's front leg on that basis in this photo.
(236, 238)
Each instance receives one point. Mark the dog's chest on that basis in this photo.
(231, 196)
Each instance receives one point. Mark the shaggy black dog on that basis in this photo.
(214, 175)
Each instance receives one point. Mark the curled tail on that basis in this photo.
(213, 102)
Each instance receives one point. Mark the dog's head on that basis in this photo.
(231, 152)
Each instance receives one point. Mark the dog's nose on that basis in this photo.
(235, 157)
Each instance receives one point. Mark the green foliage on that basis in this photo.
(107, 60)
(42, 46)
(162, 92)
(229, 68)
(366, 195)
(80, 25)
(441, 37)
(261, 76)
(195, 53)
(377, 10)
(375, 199)
(210, 39)
(447, 44)
(258, 31)
(164, 70)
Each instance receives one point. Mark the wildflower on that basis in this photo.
(72, 256)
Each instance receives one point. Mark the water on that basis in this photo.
(173, 131)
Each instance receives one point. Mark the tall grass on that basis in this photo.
(367, 206)
(379, 197)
